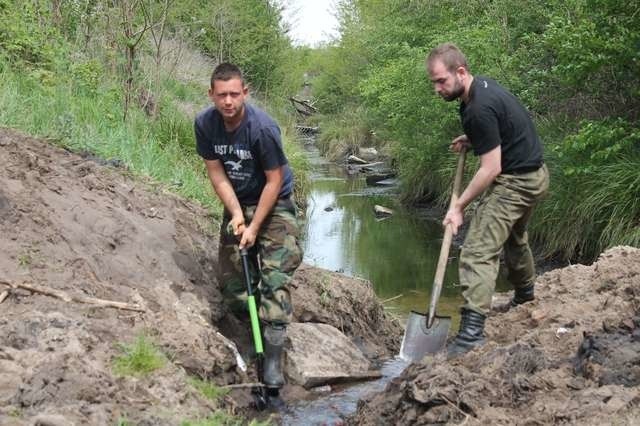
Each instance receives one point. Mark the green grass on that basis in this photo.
(208, 389)
(343, 134)
(584, 215)
(80, 120)
(139, 358)
(223, 419)
(123, 422)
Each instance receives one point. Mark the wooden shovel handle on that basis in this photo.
(446, 241)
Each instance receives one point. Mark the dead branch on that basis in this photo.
(4, 295)
(78, 299)
(392, 298)
(242, 385)
(455, 406)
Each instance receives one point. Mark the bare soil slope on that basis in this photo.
(73, 228)
(570, 357)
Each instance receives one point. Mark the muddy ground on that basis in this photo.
(570, 357)
(71, 225)
(74, 229)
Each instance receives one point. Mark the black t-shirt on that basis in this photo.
(492, 116)
(252, 148)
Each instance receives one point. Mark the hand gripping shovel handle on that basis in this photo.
(253, 311)
(446, 242)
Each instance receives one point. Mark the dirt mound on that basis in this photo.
(572, 356)
(73, 230)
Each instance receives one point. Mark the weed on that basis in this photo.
(122, 421)
(24, 260)
(220, 418)
(15, 412)
(208, 389)
(139, 358)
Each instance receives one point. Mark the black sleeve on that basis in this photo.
(484, 131)
(270, 148)
(204, 147)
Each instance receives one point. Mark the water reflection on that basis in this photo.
(398, 254)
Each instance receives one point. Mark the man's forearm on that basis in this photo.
(267, 200)
(479, 183)
(227, 195)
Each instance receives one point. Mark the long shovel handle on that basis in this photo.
(446, 242)
(253, 310)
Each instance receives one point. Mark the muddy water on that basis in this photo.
(398, 254)
(332, 409)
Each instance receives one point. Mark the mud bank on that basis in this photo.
(570, 357)
(76, 235)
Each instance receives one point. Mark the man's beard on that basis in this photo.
(457, 91)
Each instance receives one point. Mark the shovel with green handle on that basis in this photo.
(259, 393)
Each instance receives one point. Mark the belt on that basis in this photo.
(523, 170)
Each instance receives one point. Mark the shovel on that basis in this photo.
(259, 393)
(427, 334)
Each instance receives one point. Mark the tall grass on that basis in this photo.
(86, 121)
(343, 134)
(586, 214)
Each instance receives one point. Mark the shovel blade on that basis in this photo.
(420, 340)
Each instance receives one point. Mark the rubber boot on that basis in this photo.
(274, 336)
(520, 296)
(523, 295)
(470, 335)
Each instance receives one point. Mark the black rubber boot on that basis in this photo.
(470, 334)
(520, 296)
(523, 295)
(274, 336)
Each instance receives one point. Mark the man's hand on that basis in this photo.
(458, 143)
(237, 225)
(454, 217)
(248, 238)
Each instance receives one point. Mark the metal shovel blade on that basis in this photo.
(420, 340)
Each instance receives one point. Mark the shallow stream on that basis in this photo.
(397, 254)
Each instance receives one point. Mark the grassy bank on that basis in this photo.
(90, 120)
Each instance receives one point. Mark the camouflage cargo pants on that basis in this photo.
(500, 221)
(273, 260)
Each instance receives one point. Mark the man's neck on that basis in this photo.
(467, 89)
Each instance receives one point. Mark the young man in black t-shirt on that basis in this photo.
(242, 150)
(510, 181)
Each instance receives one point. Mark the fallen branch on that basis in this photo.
(79, 299)
(392, 298)
(4, 295)
(242, 385)
(466, 415)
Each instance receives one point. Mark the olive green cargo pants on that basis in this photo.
(500, 221)
(273, 259)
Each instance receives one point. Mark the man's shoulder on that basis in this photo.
(489, 89)
(259, 117)
(486, 96)
(207, 116)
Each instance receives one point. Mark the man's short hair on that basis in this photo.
(225, 72)
(450, 55)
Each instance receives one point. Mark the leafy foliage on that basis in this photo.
(597, 144)
(574, 64)
(23, 40)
